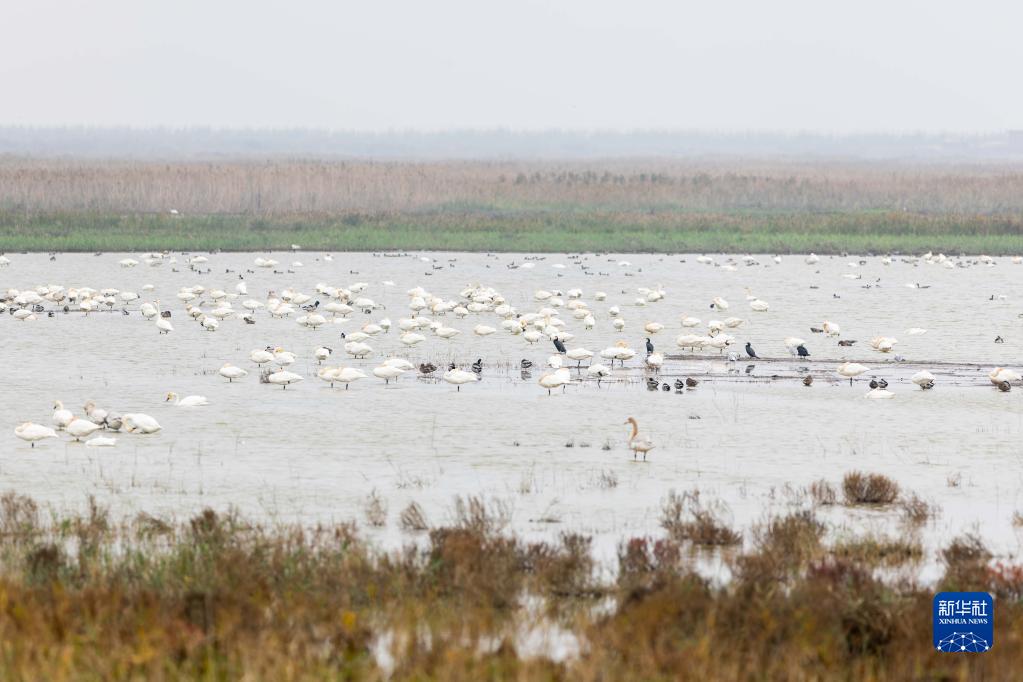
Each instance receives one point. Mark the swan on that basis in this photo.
(879, 393)
(322, 353)
(883, 344)
(187, 401)
(411, 338)
(148, 311)
(483, 330)
(61, 417)
(31, 433)
(346, 375)
(916, 331)
(138, 422)
(459, 377)
(923, 379)
(283, 377)
(387, 372)
(401, 363)
(851, 369)
(598, 372)
(638, 443)
(792, 343)
(357, 349)
(283, 358)
(812, 259)
(691, 322)
(554, 362)
(556, 379)
(654, 361)
(759, 306)
(1000, 374)
(164, 326)
(101, 442)
(95, 414)
(579, 355)
(230, 372)
(80, 428)
(831, 329)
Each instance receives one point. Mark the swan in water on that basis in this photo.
(261, 357)
(101, 442)
(138, 422)
(31, 433)
(759, 306)
(654, 361)
(357, 349)
(579, 355)
(459, 377)
(401, 363)
(95, 414)
(80, 428)
(187, 401)
(346, 375)
(283, 377)
(879, 393)
(1000, 374)
(322, 353)
(923, 379)
(61, 417)
(483, 330)
(387, 372)
(164, 326)
(638, 443)
(556, 379)
(851, 369)
(598, 372)
(283, 358)
(230, 372)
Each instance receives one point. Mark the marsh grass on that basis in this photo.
(687, 519)
(217, 596)
(862, 488)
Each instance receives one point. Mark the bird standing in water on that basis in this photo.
(803, 353)
(749, 350)
(558, 344)
(649, 347)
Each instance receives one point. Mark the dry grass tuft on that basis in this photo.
(861, 488)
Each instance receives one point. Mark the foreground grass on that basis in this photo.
(555, 229)
(217, 597)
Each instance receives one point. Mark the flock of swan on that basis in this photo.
(555, 319)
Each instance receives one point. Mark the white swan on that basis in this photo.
(187, 401)
(164, 326)
(61, 417)
(387, 372)
(638, 443)
(483, 330)
(654, 361)
(101, 442)
(459, 377)
(137, 422)
(759, 306)
(283, 377)
(851, 369)
(357, 349)
(879, 393)
(80, 428)
(556, 379)
(32, 433)
(579, 355)
(230, 372)
(923, 379)
(1000, 374)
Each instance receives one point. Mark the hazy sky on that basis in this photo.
(890, 65)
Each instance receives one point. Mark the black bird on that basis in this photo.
(665, 387)
(652, 384)
(342, 336)
(999, 339)
(808, 380)
(525, 364)
(874, 384)
(165, 313)
(249, 319)
(427, 368)
(679, 385)
(649, 347)
(749, 350)
(478, 366)
(691, 382)
(803, 353)
(559, 345)
(816, 330)
(881, 383)
(452, 366)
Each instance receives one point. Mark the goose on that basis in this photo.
(387, 372)
(61, 417)
(556, 379)
(923, 379)
(230, 372)
(80, 428)
(850, 370)
(460, 376)
(101, 442)
(32, 433)
(140, 423)
(283, 377)
(164, 326)
(638, 443)
(187, 401)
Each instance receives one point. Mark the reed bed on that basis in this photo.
(623, 205)
(218, 596)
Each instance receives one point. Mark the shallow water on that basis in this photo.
(311, 453)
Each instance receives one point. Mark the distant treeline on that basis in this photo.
(213, 143)
(340, 187)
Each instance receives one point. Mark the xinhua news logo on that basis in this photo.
(964, 622)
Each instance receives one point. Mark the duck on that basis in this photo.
(808, 380)
(32, 433)
(679, 385)
(230, 372)
(525, 364)
(187, 401)
(1004, 386)
(477, 366)
(691, 382)
(638, 443)
(426, 368)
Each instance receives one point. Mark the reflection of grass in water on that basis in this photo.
(626, 230)
(219, 597)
